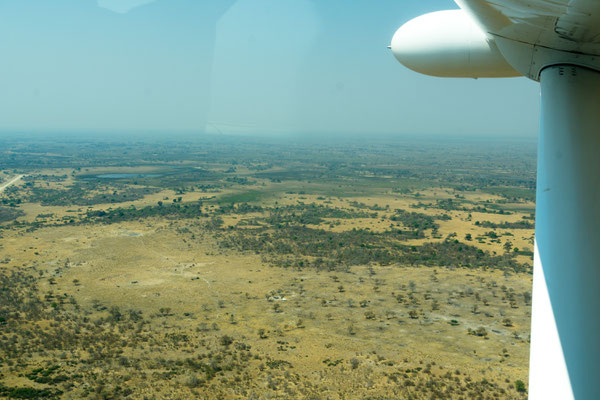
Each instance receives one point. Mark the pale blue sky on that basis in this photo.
(246, 66)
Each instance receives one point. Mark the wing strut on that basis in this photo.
(565, 341)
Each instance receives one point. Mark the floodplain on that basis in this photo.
(223, 267)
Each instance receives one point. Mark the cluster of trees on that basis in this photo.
(506, 225)
(461, 205)
(86, 193)
(314, 214)
(453, 253)
(9, 214)
(418, 221)
(288, 242)
(28, 393)
(168, 210)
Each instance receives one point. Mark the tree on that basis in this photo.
(520, 386)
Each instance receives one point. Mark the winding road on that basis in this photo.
(12, 181)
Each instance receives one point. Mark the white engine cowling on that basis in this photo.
(449, 44)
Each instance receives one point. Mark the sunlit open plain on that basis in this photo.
(218, 272)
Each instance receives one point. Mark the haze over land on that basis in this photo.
(236, 267)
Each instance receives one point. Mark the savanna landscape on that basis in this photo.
(223, 267)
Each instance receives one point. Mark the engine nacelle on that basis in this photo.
(449, 44)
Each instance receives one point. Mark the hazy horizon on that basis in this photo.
(326, 139)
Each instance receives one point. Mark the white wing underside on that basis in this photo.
(566, 25)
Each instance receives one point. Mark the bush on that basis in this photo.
(520, 386)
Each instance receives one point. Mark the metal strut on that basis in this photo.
(565, 330)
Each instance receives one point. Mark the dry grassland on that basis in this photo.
(256, 330)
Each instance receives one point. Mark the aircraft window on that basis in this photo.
(252, 199)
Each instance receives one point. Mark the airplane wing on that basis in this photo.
(566, 25)
(511, 38)
(533, 34)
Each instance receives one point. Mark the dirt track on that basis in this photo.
(12, 181)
